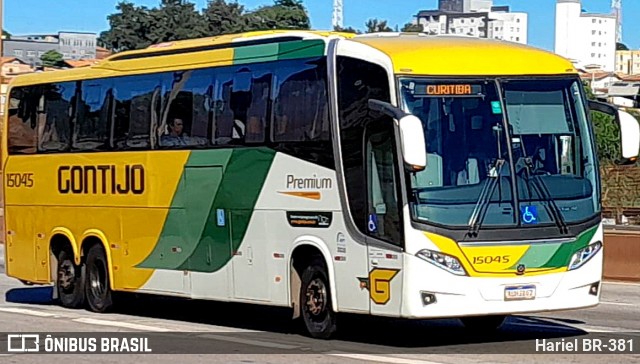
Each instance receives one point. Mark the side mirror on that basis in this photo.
(629, 135)
(414, 150)
(629, 130)
(414, 147)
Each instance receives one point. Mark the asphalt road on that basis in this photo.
(214, 332)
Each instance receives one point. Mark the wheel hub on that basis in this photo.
(66, 275)
(316, 297)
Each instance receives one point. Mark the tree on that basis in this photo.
(176, 20)
(129, 28)
(284, 14)
(6, 35)
(587, 89)
(376, 26)
(52, 58)
(621, 47)
(411, 28)
(135, 27)
(346, 30)
(224, 18)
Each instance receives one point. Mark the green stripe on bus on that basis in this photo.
(191, 238)
(237, 196)
(189, 209)
(301, 49)
(279, 51)
(256, 53)
(565, 252)
(537, 255)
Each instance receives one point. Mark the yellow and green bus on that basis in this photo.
(398, 175)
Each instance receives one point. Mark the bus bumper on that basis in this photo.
(435, 293)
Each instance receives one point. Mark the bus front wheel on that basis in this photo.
(70, 281)
(97, 288)
(315, 302)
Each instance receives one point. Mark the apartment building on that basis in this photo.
(586, 38)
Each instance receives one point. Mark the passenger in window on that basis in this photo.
(176, 136)
(281, 127)
(255, 130)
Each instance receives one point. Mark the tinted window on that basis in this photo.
(92, 118)
(188, 117)
(137, 101)
(54, 131)
(24, 103)
(301, 107)
(242, 105)
(358, 81)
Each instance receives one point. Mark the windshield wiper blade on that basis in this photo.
(480, 210)
(543, 192)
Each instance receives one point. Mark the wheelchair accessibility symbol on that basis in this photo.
(529, 214)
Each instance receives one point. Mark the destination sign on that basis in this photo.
(448, 89)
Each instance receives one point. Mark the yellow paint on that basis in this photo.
(492, 259)
(451, 56)
(131, 222)
(96, 233)
(309, 195)
(380, 284)
(494, 269)
(60, 230)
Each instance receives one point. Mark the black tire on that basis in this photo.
(97, 290)
(484, 324)
(315, 302)
(69, 281)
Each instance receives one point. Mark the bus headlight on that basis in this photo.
(583, 255)
(447, 262)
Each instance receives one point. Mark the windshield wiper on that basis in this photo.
(480, 210)
(543, 192)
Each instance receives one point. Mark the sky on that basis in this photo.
(38, 16)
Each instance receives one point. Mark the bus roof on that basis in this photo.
(448, 55)
(411, 53)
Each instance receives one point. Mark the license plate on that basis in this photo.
(517, 293)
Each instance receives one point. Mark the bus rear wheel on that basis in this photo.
(315, 302)
(70, 281)
(483, 323)
(97, 287)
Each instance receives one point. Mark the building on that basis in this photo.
(585, 38)
(465, 6)
(600, 81)
(10, 67)
(28, 51)
(102, 53)
(475, 18)
(628, 62)
(30, 48)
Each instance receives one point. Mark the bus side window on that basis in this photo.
(241, 101)
(60, 105)
(22, 117)
(300, 106)
(92, 117)
(187, 112)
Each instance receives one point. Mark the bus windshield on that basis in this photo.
(486, 136)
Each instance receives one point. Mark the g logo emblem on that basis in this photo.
(379, 284)
(520, 269)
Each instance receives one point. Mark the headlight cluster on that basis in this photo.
(583, 255)
(444, 261)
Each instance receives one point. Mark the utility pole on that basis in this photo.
(616, 7)
(337, 14)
